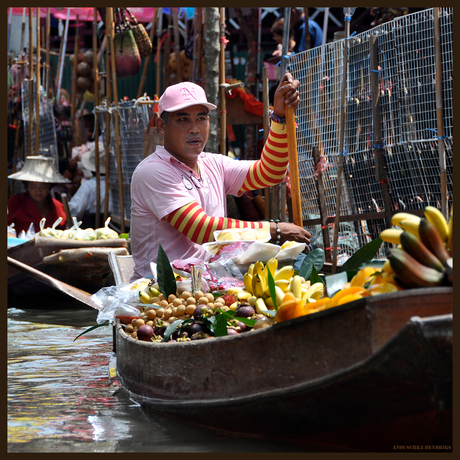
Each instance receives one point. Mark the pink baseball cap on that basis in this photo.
(183, 95)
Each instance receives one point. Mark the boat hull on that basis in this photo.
(374, 361)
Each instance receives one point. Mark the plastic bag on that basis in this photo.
(119, 300)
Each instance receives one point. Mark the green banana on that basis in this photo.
(430, 237)
(411, 272)
(436, 217)
(414, 247)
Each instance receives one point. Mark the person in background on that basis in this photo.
(83, 204)
(178, 193)
(277, 31)
(39, 173)
(298, 25)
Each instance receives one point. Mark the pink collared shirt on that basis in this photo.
(161, 184)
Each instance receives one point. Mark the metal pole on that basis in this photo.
(341, 142)
(31, 81)
(37, 84)
(439, 114)
(223, 102)
(96, 121)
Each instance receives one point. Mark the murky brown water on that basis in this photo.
(60, 397)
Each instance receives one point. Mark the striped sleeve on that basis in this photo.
(192, 221)
(273, 164)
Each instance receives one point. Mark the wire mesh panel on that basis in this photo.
(406, 55)
(47, 144)
(133, 121)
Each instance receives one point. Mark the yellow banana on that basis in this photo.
(399, 216)
(247, 280)
(234, 290)
(154, 292)
(296, 287)
(436, 217)
(283, 284)
(258, 268)
(449, 244)
(258, 286)
(243, 295)
(260, 305)
(252, 300)
(391, 235)
(387, 267)
(284, 273)
(251, 269)
(411, 226)
(144, 297)
(316, 288)
(271, 265)
(269, 303)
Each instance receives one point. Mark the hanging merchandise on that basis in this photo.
(127, 56)
(140, 34)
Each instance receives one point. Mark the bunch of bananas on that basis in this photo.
(147, 293)
(257, 292)
(423, 256)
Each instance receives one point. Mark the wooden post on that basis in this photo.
(265, 100)
(147, 58)
(48, 65)
(73, 121)
(176, 42)
(37, 84)
(96, 121)
(341, 143)
(439, 114)
(223, 102)
(381, 173)
(322, 203)
(108, 87)
(31, 81)
(159, 27)
(117, 124)
(293, 167)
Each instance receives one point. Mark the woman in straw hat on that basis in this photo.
(39, 175)
(83, 204)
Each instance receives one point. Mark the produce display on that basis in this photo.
(422, 256)
(77, 233)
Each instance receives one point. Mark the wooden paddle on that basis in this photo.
(71, 291)
(293, 167)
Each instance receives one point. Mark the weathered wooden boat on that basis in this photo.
(83, 264)
(369, 375)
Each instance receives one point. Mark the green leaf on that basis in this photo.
(314, 277)
(315, 259)
(362, 256)
(91, 329)
(335, 282)
(171, 328)
(271, 287)
(166, 279)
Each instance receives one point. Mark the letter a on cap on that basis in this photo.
(188, 94)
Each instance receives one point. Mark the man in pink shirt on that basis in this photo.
(178, 193)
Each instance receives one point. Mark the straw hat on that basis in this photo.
(88, 159)
(40, 169)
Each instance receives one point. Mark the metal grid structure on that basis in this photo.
(408, 115)
(47, 126)
(133, 121)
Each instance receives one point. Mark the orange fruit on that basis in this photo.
(343, 292)
(363, 276)
(383, 288)
(349, 298)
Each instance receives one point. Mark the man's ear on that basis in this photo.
(160, 123)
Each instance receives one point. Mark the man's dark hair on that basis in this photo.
(164, 116)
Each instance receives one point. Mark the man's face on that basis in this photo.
(186, 132)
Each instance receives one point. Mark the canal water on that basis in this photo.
(61, 399)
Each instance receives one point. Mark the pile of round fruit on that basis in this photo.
(194, 313)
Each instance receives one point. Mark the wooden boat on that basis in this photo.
(375, 371)
(86, 271)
